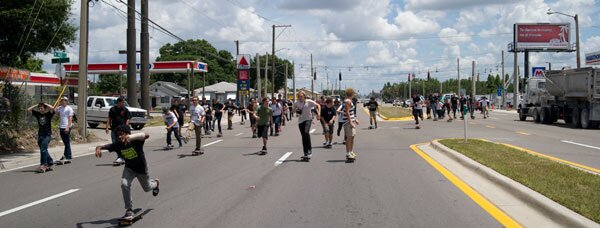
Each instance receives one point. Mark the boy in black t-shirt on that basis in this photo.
(218, 108)
(373, 109)
(131, 148)
(230, 113)
(44, 116)
(328, 113)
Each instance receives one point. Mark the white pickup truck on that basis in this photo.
(98, 107)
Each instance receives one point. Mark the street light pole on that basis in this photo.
(576, 17)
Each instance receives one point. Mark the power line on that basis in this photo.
(31, 28)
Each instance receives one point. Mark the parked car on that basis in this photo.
(98, 107)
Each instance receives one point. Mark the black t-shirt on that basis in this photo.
(290, 105)
(231, 108)
(182, 109)
(463, 101)
(44, 122)
(251, 109)
(133, 153)
(454, 101)
(327, 113)
(372, 105)
(118, 116)
(217, 107)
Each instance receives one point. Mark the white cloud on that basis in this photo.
(450, 36)
(449, 5)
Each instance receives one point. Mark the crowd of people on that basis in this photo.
(438, 107)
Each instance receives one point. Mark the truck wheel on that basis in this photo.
(576, 118)
(536, 115)
(585, 119)
(137, 126)
(522, 116)
(545, 115)
(594, 124)
(93, 124)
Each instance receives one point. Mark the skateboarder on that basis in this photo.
(303, 107)
(44, 116)
(197, 116)
(117, 115)
(349, 117)
(172, 124)
(373, 109)
(131, 148)
(417, 110)
(252, 107)
(328, 114)
(218, 108)
(264, 116)
(65, 112)
(230, 113)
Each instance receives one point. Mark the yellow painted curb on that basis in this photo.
(387, 118)
(489, 207)
(584, 167)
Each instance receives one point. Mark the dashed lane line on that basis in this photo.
(37, 202)
(212, 143)
(282, 159)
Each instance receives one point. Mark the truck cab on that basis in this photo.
(98, 107)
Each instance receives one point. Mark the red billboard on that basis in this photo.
(542, 37)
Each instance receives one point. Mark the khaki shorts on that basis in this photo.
(349, 131)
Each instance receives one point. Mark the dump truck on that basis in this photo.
(572, 95)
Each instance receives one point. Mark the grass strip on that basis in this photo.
(395, 112)
(573, 188)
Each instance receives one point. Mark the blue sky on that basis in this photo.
(370, 41)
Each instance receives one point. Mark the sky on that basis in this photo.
(370, 42)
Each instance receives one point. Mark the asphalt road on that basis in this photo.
(230, 186)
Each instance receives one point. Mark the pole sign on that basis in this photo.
(542, 36)
(499, 91)
(538, 72)
(592, 58)
(243, 62)
(243, 85)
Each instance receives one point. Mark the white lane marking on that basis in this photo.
(580, 144)
(313, 130)
(211, 143)
(282, 159)
(37, 202)
(35, 164)
(522, 133)
(238, 134)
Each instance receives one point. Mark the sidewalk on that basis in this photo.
(14, 161)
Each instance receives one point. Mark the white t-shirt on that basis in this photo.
(65, 113)
(306, 108)
(196, 111)
(169, 118)
(276, 109)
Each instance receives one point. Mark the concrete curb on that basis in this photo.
(553, 210)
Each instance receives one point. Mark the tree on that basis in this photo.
(279, 72)
(28, 27)
(109, 83)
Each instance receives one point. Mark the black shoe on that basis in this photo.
(156, 190)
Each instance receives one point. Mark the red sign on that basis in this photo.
(12, 74)
(542, 36)
(243, 75)
(156, 67)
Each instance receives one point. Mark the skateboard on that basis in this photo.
(417, 127)
(43, 170)
(59, 162)
(350, 160)
(305, 158)
(371, 127)
(128, 222)
(262, 152)
(168, 148)
(196, 153)
(118, 163)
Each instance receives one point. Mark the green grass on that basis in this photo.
(570, 187)
(395, 112)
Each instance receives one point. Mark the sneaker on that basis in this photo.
(128, 214)
(277, 134)
(344, 142)
(254, 136)
(309, 155)
(156, 190)
(62, 159)
(325, 144)
(219, 135)
(170, 146)
(185, 140)
(119, 160)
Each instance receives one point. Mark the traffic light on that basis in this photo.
(428, 76)
(315, 77)
(340, 75)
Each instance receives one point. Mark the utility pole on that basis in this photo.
(266, 73)
(340, 85)
(474, 87)
(273, 58)
(516, 81)
(458, 74)
(294, 82)
(131, 50)
(237, 90)
(145, 59)
(285, 88)
(409, 86)
(503, 83)
(258, 81)
(312, 79)
(83, 68)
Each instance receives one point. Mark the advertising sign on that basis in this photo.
(592, 58)
(542, 37)
(12, 74)
(243, 75)
(243, 62)
(538, 72)
(243, 85)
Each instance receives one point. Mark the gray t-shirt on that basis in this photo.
(306, 108)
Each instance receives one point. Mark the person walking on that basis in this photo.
(290, 106)
(373, 110)
(283, 109)
(197, 118)
(44, 116)
(303, 107)
(264, 116)
(65, 112)
(454, 103)
(340, 120)
(277, 111)
(117, 115)
(230, 113)
(417, 110)
(180, 110)
(172, 124)
(328, 113)
(242, 111)
(350, 123)
(484, 105)
(218, 108)
(251, 109)
(463, 106)
(208, 116)
(131, 148)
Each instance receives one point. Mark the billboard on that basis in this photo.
(592, 58)
(542, 37)
(538, 72)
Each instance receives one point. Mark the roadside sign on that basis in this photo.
(538, 72)
(243, 74)
(243, 62)
(60, 60)
(499, 92)
(592, 58)
(243, 85)
(60, 54)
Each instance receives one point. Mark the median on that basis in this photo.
(571, 187)
(395, 113)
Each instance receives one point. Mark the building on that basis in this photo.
(162, 93)
(221, 90)
(308, 92)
